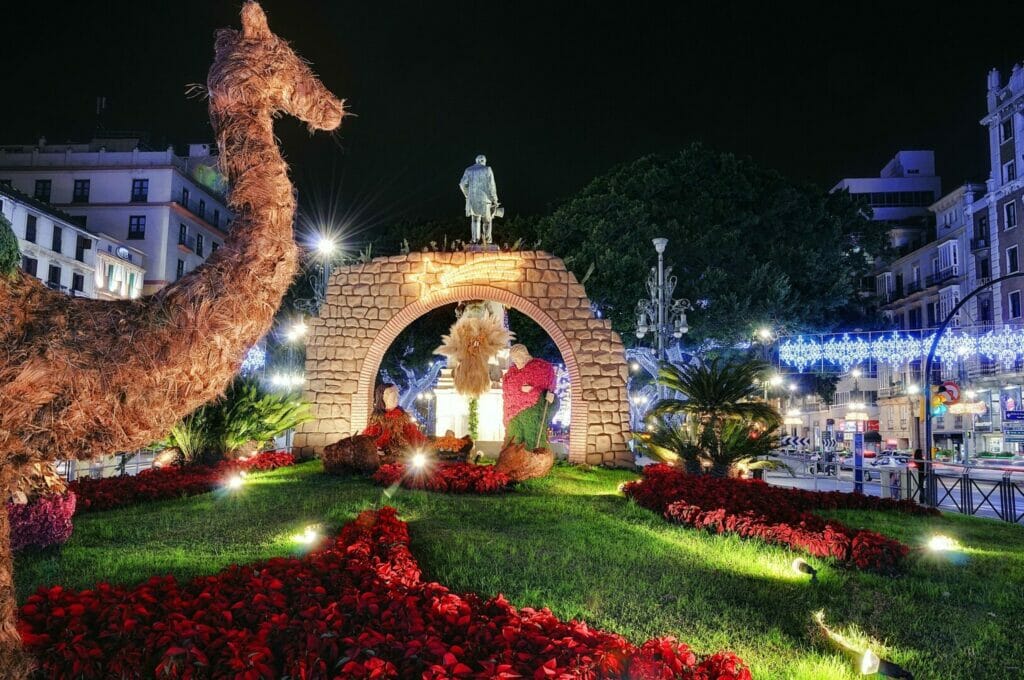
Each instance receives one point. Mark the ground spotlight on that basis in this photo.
(418, 461)
(940, 543)
(308, 536)
(800, 566)
(234, 482)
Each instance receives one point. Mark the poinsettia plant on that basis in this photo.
(358, 608)
(157, 484)
(754, 509)
(445, 478)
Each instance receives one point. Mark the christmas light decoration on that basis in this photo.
(898, 349)
(255, 359)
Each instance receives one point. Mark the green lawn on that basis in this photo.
(571, 542)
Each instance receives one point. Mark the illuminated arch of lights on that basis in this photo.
(895, 349)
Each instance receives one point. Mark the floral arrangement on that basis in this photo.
(754, 509)
(170, 482)
(42, 522)
(446, 478)
(356, 609)
(454, 444)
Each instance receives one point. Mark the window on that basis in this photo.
(140, 190)
(82, 244)
(216, 218)
(42, 190)
(199, 245)
(181, 269)
(184, 197)
(213, 247)
(182, 235)
(202, 208)
(29, 265)
(1010, 213)
(1012, 264)
(1006, 130)
(53, 275)
(30, 228)
(77, 283)
(984, 268)
(933, 311)
(57, 241)
(81, 191)
(1009, 171)
(1014, 299)
(137, 227)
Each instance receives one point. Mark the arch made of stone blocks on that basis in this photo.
(369, 304)
(400, 321)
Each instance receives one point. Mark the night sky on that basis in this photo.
(553, 92)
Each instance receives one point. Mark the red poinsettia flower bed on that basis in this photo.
(44, 522)
(356, 609)
(171, 482)
(754, 509)
(446, 478)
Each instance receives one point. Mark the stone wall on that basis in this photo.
(368, 305)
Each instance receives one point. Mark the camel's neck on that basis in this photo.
(261, 194)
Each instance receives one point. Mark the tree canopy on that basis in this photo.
(749, 246)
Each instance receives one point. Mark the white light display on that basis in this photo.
(255, 359)
(895, 349)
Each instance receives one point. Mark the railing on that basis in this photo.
(109, 466)
(979, 243)
(941, 276)
(992, 491)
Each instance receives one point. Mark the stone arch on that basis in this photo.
(368, 305)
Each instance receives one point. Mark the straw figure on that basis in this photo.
(471, 342)
(82, 378)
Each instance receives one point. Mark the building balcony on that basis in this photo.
(187, 244)
(979, 244)
(942, 276)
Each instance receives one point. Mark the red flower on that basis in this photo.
(356, 609)
(164, 483)
(446, 478)
(773, 514)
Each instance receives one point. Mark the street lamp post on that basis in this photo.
(659, 312)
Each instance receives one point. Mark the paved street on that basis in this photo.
(985, 484)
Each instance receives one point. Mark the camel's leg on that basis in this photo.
(15, 664)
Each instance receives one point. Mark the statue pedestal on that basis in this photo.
(489, 248)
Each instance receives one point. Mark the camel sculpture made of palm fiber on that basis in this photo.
(84, 378)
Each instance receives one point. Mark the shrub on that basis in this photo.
(356, 609)
(10, 255)
(446, 478)
(753, 509)
(42, 522)
(164, 483)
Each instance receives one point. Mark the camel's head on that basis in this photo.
(256, 70)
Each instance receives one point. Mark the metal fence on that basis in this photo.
(985, 491)
(109, 466)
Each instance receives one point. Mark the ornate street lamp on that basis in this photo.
(659, 313)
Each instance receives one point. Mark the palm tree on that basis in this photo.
(743, 444)
(717, 394)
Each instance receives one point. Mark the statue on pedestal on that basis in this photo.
(481, 200)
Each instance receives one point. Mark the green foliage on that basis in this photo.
(10, 255)
(748, 245)
(825, 387)
(473, 422)
(726, 424)
(246, 413)
(670, 440)
(192, 437)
